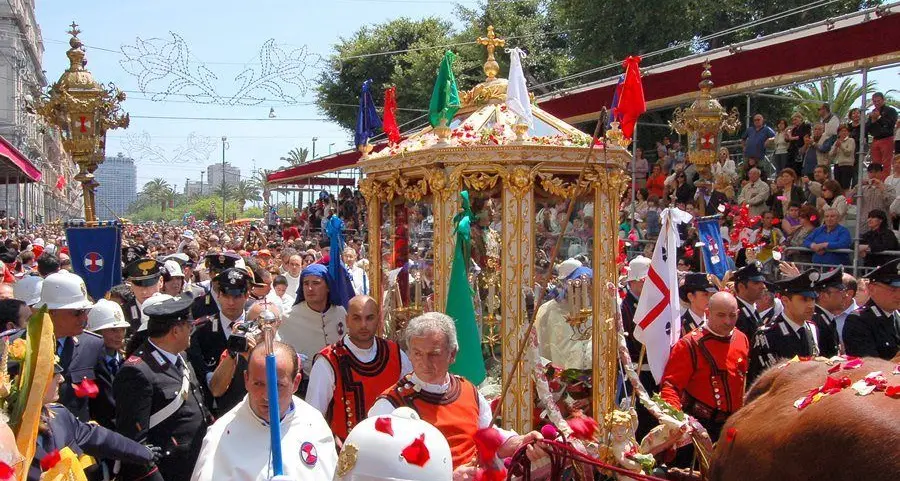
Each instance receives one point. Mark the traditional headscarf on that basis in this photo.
(317, 270)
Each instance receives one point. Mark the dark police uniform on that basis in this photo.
(829, 341)
(103, 407)
(204, 302)
(142, 272)
(209, 344)
(871, 330)
(693, 282)
(160, 401)
(779, 339)
(748, 319)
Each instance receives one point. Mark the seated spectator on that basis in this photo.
(877, 239)
(785, 192)
(766, 171)
(722, 194)
(791, 222)
(829, 236)
(754, 193)
(769, 233)
(832, 197)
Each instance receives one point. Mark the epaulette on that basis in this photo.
(133, 359)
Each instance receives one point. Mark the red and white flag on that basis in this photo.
(61, 182)
(657, 316)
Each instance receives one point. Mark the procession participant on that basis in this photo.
(553, 329)
(749, 284)
(107, 320)
(379, 456)
(830, 289)
(450, 403)
(218, 361)
(705, 375)
(158, 398)
(133, 253)
(80, 352)
(874, 330)
(767, 307)
(47, 263)
(205, 303)
(634, 284)
(347, 376)
(236, 447)
(28, 289)
(122, 295)
(61, 429)
(315, 320)
(696, 291)
(142, 275)
(848, 306)
(792, 332)
(172, 277)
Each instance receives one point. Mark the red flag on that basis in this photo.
(61, 182)
(631, 99)
(390, 115)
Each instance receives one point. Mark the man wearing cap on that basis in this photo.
(158, 397)
(142, 275)
(874, 330)
(317, 318)
(107, 319)
(749, 284)
(705, 375)
(205, 303)
(220, 368)
(830, 290)
(555, 335)
(634, 284)
(348, 375)
(695, 291)
(792, 332)
(80, 352)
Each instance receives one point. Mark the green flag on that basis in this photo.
(445, 97)
(469, 361)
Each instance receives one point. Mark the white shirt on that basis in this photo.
(796, 328)
(237, 446)
(321, 377)
(293, 283)
(309, 331)
(555, 338)
(285, 302)
(485, 416)
(171, 358)
(359, 279)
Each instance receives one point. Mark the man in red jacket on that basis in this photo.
(707, 369)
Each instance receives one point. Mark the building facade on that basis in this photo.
(117, 177)
(231, 172)
(195, 188)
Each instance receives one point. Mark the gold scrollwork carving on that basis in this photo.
(519, 180)
(480, 180)
(402, 186)
(438, 183)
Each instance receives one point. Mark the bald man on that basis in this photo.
(706, 372)
(366, 365)
(9, 451)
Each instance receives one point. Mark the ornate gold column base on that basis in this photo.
(88, 184)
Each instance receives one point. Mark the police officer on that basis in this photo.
(749, 284)
(133, 253)
(158, 397)
(830, 289)
(874, 329)
(80, 352)
(695, 291)
(792, 332)
(204, 298)
(220, 364)
(107, 320)
(142, 275)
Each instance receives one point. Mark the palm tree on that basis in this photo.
(841, 97)
(261, 181)
(296, 156)
(157, 191)
(245, 191)
(226, 191)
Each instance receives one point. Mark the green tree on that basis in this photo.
(245, 191)
(158, 191)
(224, 190)
(296, 156)
(842, 97)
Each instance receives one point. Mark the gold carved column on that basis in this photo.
(370, 190)
(518, 272)
(445, 204)
(607, 190)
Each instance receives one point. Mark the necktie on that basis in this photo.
(805, 350)
(112, 363)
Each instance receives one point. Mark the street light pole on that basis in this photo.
(314, 147)
(224, 140)
(201, 182)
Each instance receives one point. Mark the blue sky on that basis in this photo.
(226, 36)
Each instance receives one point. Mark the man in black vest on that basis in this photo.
(158, 398)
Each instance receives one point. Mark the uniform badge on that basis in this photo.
(308, 454)
(347, 459)
(234, 277)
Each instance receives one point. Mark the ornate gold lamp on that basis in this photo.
(702, 122)
(579, 307)
(83, 110)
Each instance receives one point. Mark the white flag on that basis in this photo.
(517, 100)
(656, 318)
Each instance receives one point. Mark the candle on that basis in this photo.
(418, 295)
(585, 299)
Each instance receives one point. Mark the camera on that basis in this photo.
(237, 341)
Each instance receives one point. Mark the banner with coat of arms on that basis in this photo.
(96, 256)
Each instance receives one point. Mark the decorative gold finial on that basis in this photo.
(706, 84)
(491, 67)
(74, 30)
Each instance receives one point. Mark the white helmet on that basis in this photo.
(152, 300)
(106, 314)
(64, 290)
(28, 289)
(376, 450)
(173, 269)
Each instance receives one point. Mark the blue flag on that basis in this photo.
(614, 105)
(714, 254)
(367, 120)
(96, 256)
(342, 290)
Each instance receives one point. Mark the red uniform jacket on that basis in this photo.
(454, 413)
(356, 384)
(708, 372)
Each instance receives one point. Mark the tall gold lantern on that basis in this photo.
(702, 123)
(514, 173)
(83, 110)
